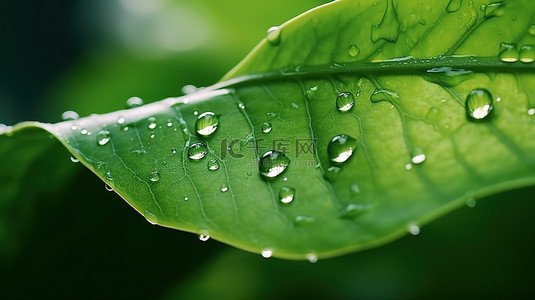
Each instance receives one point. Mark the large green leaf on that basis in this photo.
(418, 154)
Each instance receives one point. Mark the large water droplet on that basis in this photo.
(508, 52)
(103, 137)
(353, 50)
(273, 163)
(478, 104)
(134, 102)
(454, 5)
(154, 176)
(388, 29)
(266, 127)
(69, 115)
(383, 95)
(341, 148)
(286, 194)
(197, 151)
(527, 54)
(213, 165)
(207, 123)
(274, 35)
(345, 101)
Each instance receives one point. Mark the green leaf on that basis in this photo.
(442, 114)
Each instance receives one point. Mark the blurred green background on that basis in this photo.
(67, 237)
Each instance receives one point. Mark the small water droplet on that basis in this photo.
(74, 159)
(224, 188)
(471, 202)
(312, 258)
(414, 229)
(73, 127)
(189, 89)
(173, 150)
(345, 101)
(332, 173)
(286, 194)
(353, 50)
(478, 104)
(154, 176)
(354, 210)
(241, 105)
(531, 111)
(207, 123)
(204, 238)
(197, 151)
(274, 35)
(84, 131)
(103, 137)
(527, 54)
(169, 123)
(195, 113)
(383, 95)
(69, 115)
(152, 122)
(186, 198)
(418, 159)
(121, 120)
(273, 163)
(108, 188)
(453, 6)
(508, 52)
(267, 253)
(302, 220)
(266, 127)
(213, 165)
(294, 105)
(134, 102)
(341, 148)
(408, 166)
(285, 179)
(531, 29)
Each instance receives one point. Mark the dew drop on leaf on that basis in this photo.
(353, 50)
(213, 165)
(354, 210)
(207, 123)
(189, 89)
(103, 137)
(224, 188)
(414, 229)
(508, 53)
(527, 53)
(454, 5)
(152, 122)
(312, 258)
(418, 159)
(197, 151)
(531, 29)
(154, 176)
(531, 111)
(286, 194)
(74, 159)
(204, 238)
(266, 127)
(267, 253)
(274, 35)
(108, 188)
(121, 120)
(273, 163)
(302, 220)
(479, 104)
(345, 101)
(471, 202)
(383, 95)
(332, 173)
(69, 115)
(134, 102)
(341, 148)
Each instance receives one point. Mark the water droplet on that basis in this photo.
(471, 202)
(154, 176)
(531, 29)
(197, 151)
(69, 115)
(294, 105)
(353, 50)
(527, 54)
(189, 89)
(213, 165)
(332, 173)
(302, 220)
(312, 258)
(478, 104)
(152, 122)
(224, 188)
(354, 210)
(186, 198)
(169, 123)
(494, 9)
(508, 52)
(134, 102)
(266, 127)
(454, 5)
(103, 137)
(285, 179)
(267, 253)
(73, 127)
(418, 159)
(274, 35)
(383, 95)
(341, 148)
(204, 238)
(74, 159)
(448, 76)
(345, 101)
(195, 113)
(531, 111)
(408, 166)
(121, 120)
(108, 188)
(286, 194)
(207, 123)
(414, 229)
(241, 105)
(84, 131)
(273, 163)
(388, 29)
(173, 150)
